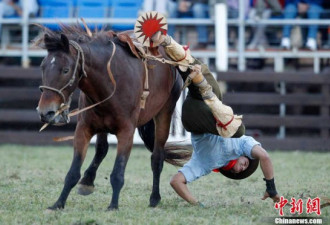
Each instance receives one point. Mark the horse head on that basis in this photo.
(62, 70)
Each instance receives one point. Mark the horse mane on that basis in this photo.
(73, 32)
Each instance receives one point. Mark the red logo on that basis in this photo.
(281, 204)
(312, 206)
(297, 206)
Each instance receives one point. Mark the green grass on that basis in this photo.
(31, 179)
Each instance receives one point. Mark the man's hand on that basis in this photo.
(275, 198)
(158, 38)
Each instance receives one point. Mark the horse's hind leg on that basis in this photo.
(86, 184)
(162, 124)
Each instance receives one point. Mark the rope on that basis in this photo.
(80, 53)
(163, 60)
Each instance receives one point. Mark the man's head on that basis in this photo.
(240, 168)
(241, 164)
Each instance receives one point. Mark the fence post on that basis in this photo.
(25, 35)
(281, 134)
(241, 36)
(325, 109)
(221, 34)
(316, 64)
(279, 68)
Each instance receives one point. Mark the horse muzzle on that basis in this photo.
(54, 117)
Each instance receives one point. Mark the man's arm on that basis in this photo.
(265, 162)
(179, 184)
(267, 168)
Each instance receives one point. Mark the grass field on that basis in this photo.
(31, 179)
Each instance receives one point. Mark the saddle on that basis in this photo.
(135, 46)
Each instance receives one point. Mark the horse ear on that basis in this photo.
(65, 43)
(47, 38)
(49, 42)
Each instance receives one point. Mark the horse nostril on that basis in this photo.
(50, 114)
(47, 117)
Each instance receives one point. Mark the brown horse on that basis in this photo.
(77, 60)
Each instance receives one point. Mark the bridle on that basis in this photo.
(66, 103)
(80, 53)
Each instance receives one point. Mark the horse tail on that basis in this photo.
(175, 154)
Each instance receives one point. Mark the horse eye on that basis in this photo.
(66, 70)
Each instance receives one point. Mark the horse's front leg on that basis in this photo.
(81, 140)
(86, 184)
(124, 147)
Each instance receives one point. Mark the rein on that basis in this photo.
(167, 61)
(66, 104)
(147, 56)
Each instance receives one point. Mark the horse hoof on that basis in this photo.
(112, 208)
(85, 190)
(154, 202)
(55, 207)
